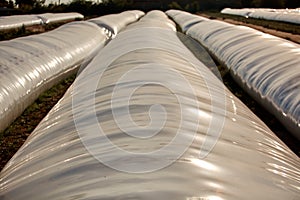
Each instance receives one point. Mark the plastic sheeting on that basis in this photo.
(284, 15)
(267, 67)
(240, 12)
(17, 21)
(49, 18)
(200, 52)
(291, 17)
(247, 162)
(152, 20)
(114, 23)
(184, 19)
(30, 65)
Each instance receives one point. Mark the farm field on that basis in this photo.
(162, 99)
(13, 137)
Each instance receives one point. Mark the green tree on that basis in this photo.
(246, 3)
(6, 3)
(273, 3)
(80, 6)
(3, 3)
(10, 4)
(175, 5)
(269, 3)
(30, 3)
(123, 3)
(218, 4)
(22, 3)
(292, 3)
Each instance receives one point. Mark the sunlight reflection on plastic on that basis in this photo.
(140, 76)
(124, 88)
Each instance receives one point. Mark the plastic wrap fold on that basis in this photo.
(283, 15)
(114, 23)
(30, 65)
(267, 67)
(141, 68)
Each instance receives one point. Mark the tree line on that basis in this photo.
(88, 8)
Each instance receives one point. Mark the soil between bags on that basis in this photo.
(15, 135)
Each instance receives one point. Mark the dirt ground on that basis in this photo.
(15, 135)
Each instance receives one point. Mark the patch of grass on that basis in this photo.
(15, 135)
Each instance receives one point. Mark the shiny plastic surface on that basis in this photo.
(114, 23)
(247, 162)
(184, 19)
(153, 18)
(284, 15)
(49, 18)
(267, 67)
(240, 12)
(17, 21)
(30, 65)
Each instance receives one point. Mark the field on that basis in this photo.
(14, 136)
